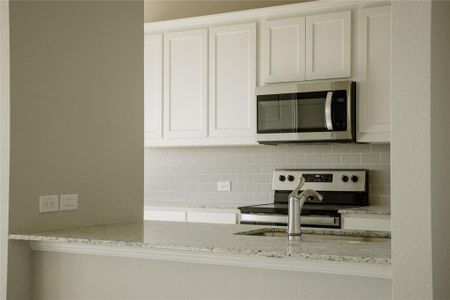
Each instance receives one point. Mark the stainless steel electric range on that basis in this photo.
(340, 189)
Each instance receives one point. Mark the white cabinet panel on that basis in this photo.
(374, 85)
(185, 84)
(368, 222)
(206, 215)
(211, 217)
(232, 80)
(283, 50)
(165, 215)
(153, 86)
(328, 45)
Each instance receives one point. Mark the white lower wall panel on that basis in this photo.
(159, 279)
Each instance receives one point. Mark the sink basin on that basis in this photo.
(313, 237)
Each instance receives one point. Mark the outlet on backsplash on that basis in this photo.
(224, 186)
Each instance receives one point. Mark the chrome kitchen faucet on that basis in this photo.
(296, 202)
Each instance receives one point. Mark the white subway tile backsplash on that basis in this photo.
(331, 158)
(385, 157)
(312, 158)
(277, 158)
(252, 188)
(380, 147)
(251, 169)
(260, 178)
(302, 166)
(267, 169)
(370, 158)
(293, 158)
(382, 190)
(304, 148)
(261, 197)
(360, 148)
(322, 148)
(196, 197)
(156, 186)
(238, 188)
(197, 170)
(243, 178)
(351, 158)
(235, 169)
(341, 148)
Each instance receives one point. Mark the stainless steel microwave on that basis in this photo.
(322, 111)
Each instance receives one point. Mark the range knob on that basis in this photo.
(291, 178)
(282, 178)
(344, 178)
(355, 178)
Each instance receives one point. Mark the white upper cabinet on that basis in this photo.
(374, 83)
(328, 45)
(185, 84)
(232, 81)
(283, 50)
(153, 86)
(201, 73)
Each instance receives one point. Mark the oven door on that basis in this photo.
(304, 116)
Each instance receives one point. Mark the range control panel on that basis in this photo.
(320, 180)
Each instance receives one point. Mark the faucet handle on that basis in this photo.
(295, 193)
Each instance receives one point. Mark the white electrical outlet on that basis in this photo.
(224, 186)
(48, 203)
(69, 202)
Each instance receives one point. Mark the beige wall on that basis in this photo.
(4, 142)
(410, 150)
(420, 149)
(76, 111)
(440, 148)
(71, 276)
(19, 271)
(166, 10)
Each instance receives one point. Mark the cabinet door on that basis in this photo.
(366, 222)
(283, 50)
(153, 86)
(232, 81)
(212, 217)
(185, 85)
(165, 215)
(328, 45)
(374, 85)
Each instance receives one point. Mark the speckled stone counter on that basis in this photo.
(367, 210)
(218, 238)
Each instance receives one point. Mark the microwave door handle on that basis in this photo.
(328, 119)
(295, 113)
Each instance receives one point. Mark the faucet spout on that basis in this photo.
(295, 207)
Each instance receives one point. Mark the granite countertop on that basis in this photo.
(367, 210)
(222, 239)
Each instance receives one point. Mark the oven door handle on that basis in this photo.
(328, 119)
